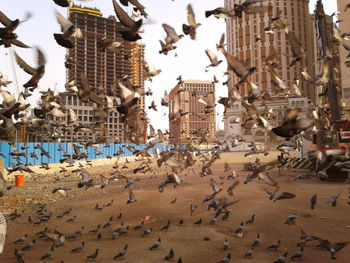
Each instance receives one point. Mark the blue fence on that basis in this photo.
(103, 151)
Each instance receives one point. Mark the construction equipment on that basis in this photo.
(335, 141)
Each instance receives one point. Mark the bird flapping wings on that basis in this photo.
(22, 64)
(4, 19)
(123, 16)
(190, 15)
(64, 23)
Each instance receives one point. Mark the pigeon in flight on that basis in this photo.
(219, 12)
(138, 6)
(133, 27)
(7, 36)
(69, 31)
(37, 73)
(213, 58)
(190, 29)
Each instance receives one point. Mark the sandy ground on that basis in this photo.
(187, 241)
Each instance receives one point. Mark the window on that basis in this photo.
(346, 92)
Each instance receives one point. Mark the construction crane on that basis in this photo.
(23, 127)
(102, 132)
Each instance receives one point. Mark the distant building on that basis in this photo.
(192, 113)
(344, 59)
(235, 116)
(242, 34)
(103, 70)
(247, 40)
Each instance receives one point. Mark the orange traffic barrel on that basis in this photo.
(19, 179)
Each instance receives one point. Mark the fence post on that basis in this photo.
(2, 169)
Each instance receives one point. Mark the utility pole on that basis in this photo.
(102, 135)
(326, 46)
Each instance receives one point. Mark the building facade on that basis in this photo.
(103, 69)
(242, 34)
(193, 104)
(344, 26)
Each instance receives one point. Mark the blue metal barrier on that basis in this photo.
(52, 148)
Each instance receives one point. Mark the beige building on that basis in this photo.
(241, 42)
(344, 69)
(192, 113)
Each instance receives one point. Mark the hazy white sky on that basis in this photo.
(190, 62)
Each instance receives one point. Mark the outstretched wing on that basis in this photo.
(40, 57)
(170, 31)
(122, 15)
(190, 15)
(64, 23)
(4, 19)
(22, 64)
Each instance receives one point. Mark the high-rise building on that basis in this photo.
(242, 34)
(193, 104)
(103, 69)
(344, 26)
(250, 40)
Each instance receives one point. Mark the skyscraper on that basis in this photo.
(192, 113)
(242, 34)
(103, 69)
(344, 26)
(252, 40)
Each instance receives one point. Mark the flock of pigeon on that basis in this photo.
(14, 112)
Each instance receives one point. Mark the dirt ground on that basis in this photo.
(192, 243)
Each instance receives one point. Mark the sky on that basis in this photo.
(190, 61)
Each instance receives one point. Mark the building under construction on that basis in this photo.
(103, 68)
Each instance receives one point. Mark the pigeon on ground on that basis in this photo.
(291, 219)
(78, 248)
(21, 239)
(251, 220)
(225, 244)
(94, 255)
(275, 246)
(29, 245)
(121, 253)
(48, 254)
(256, 241)
(313, 201)
(166, 227)
(298, 255)
(249, 253)
(333, 200)
(281, 259)
(170, 256)
(156, 244)
(225, 259)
